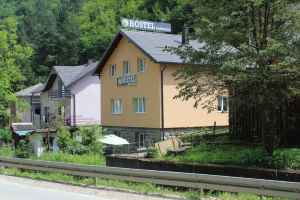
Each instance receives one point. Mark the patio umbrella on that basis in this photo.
(113, 140)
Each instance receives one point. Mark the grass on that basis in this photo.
(143, 188)
(239, 155)
(85, 159)
(6, 151)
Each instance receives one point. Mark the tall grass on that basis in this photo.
(6, 152)
(239, 155)
(84, 159)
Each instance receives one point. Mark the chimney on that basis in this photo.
(185, 35)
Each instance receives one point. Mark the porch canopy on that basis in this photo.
(113, 140)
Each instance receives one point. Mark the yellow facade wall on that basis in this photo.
(177, 113)
(148, 86)
(181, 114)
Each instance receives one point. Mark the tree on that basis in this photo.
(50, 27)
(253, 46)
(98, 24)
(13, 56)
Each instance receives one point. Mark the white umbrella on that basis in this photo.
(113, 140)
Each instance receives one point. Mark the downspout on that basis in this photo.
(31, 108)
(162, 101)
(74, 110)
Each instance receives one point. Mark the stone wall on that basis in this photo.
(151, 135)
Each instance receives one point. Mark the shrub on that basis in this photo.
(64, 138)
(23, 150)
(90, 138)
(5, 135)
(152, 153)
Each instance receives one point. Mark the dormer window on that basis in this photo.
(126, 67)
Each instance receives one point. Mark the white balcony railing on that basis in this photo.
(126, 80)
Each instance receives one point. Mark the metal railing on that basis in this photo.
(190, 180)
(59, 94)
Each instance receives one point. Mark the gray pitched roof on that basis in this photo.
(152, 44)
(70, 74)
(32, 90)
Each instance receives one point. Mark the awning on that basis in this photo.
(113, 140)
(24, 133)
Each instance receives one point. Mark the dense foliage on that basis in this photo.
(255, 48)
(83, 141)
(69, 32)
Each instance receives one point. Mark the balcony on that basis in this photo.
(59, 94)
(126, 80)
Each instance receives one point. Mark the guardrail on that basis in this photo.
(199, 181)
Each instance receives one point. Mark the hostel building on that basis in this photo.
(138, 87)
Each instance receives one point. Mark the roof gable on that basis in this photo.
(69, 74)
(152, 44)
(32, 90)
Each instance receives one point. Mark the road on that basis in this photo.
(13, 188)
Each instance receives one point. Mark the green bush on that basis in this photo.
(7, 152)
(5, 135)
(83, 141)
(64, 138)
(152, 153)
(90, 138)
(23, 150)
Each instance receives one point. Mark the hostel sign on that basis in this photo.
(146, 25)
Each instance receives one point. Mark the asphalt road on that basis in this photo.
(12, 188)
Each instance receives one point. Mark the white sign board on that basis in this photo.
(146, 25)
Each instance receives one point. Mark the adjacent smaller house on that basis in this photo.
(31, 110)
(72, 94)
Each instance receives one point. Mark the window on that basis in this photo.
(139, 104)
(113, 70)
(141, 65)
(222, 104)
(116, 106)
(46, 114)
(140, 139)
(126, 67)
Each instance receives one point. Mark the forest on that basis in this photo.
(69, 32)
(37, 34)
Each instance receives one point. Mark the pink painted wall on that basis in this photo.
(87, 100)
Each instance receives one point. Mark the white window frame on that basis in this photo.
(137, 107)
(221, 106)
(126, 67)
(140, 140)
(139, 62)
(113, 70)
(116, 106)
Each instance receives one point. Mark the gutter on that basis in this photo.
(162, 69)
